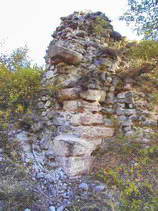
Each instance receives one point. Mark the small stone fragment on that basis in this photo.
(84, 186)
(99, 188)
(51, 208)
(61, 208)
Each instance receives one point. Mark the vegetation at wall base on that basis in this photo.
(137, 176)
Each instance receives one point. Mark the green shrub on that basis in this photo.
(145, 50)
(18, 87)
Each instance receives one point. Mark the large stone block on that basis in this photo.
(94, 95)
(64, 54)
(71, 105)
(68, 94)
(74, 166)
(93, 106)
(81, 105)
(94, 132)
(87, 118)
(69, 145)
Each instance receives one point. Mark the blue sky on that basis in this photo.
(32, 22)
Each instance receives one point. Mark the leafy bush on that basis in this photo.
(145, 50)
(18, 87)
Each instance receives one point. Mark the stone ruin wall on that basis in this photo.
(68, 126)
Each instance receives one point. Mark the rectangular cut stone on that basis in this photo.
(78, 105)
(87, 118)
(94, 95)
(68, 94)
(71, 105)
(94, 131)
(93, 106)
(96, 141)
(68, 56)
(74, 166)
(69, 145)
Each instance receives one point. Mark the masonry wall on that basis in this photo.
(85, 100)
